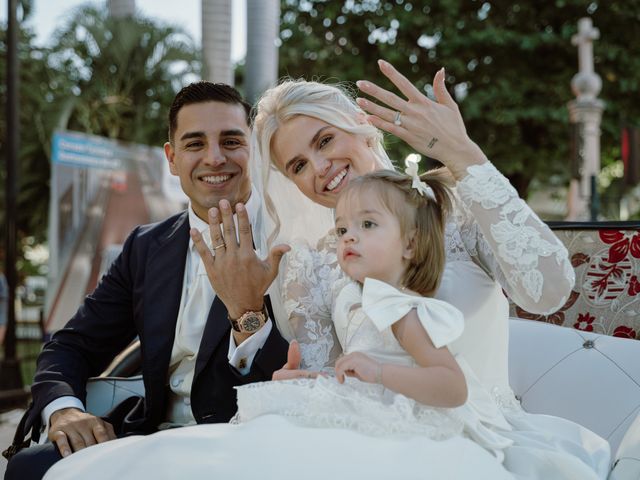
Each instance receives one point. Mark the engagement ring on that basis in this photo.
(398, 121)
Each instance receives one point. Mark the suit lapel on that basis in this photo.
(216, 329)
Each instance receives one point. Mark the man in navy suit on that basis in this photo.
(200, 336)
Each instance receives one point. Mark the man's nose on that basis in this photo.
(215, 156)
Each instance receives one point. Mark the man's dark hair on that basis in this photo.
(200, 92)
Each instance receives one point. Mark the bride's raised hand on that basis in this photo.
(291, 369)
(433, 128)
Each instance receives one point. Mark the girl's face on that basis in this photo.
(370, 243)
(320, 158)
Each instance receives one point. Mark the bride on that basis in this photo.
(314, 137)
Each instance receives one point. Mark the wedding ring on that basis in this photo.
(222, 245)
(397, 121)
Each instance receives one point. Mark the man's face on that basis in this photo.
(210, 154)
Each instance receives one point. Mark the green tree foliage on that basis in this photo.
(510, 64)
(125, 73)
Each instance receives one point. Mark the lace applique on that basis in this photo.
(453, 245)
(506, 400)
(517, 248)
(307, 291)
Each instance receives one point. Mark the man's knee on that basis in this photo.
(32, 463)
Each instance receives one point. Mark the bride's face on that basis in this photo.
(320, 158)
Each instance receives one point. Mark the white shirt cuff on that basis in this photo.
(52, 407)
(241, 356)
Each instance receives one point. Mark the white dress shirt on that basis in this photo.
(189, 332)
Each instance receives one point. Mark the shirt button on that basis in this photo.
(187, 401)
(176, 382)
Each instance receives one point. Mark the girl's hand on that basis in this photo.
(358, 365)
(435, 129)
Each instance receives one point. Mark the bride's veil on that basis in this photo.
(286, 216)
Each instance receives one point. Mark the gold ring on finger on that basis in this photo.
(222, 245)
(398, 121)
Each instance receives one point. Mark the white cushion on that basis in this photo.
(591, 379)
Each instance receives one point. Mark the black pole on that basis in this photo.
(595, 200)
(10, 377)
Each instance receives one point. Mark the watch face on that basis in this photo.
(251, 323)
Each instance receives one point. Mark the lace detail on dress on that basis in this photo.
(510, 242)
(307, 291)
(506, 400)
(453, 245)
(364, 407)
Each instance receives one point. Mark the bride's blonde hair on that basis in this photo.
(330, 103)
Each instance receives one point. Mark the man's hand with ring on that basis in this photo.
(72, 430)
(238, 276)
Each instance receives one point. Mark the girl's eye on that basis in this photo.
(297, 167)
(368, 224)
(340, 231)
(325, 140)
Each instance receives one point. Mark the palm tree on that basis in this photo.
(126, 72)
(216, 41)
(263, 22)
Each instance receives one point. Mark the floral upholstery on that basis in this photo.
(606, 296)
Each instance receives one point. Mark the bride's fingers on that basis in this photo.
(440, 91)
(375, 109)
(404, 85)
(388, 127)
(390, 99)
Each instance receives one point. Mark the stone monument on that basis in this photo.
(585, 113)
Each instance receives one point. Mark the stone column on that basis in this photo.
(263, 31)
(121, 8)
(586, 111)
(216, 41)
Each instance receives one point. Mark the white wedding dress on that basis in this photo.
(494, 242)
(322, 429)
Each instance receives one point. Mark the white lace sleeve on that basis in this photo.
(506, 238)
(307, 293)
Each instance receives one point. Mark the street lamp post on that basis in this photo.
(10, 378)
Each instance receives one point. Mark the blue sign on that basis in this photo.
(89, 151)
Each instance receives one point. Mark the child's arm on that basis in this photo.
(437, 381)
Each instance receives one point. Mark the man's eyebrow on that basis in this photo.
(235, 132)
(313, 140)
(189, 135)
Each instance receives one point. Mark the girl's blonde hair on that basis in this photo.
(332, 104)
(422, 220)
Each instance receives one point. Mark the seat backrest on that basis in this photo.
(606, 296)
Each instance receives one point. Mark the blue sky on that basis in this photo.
(49, 14)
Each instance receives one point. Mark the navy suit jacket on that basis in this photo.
(140, 296)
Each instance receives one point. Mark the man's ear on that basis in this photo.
(169, 153)
(409, 246)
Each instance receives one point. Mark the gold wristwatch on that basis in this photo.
(250, 322)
